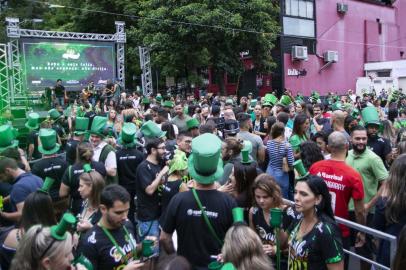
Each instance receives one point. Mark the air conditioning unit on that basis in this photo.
(330, 56)
(299, 53)
(342, 8)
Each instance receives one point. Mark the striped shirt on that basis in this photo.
(277, 151)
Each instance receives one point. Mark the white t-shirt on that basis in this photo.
(110, 162)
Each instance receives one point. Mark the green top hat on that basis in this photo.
(192, 123)
(47, 184)
(48, 145)
(67, 222)
(370, 116)
(151, 130)
(81, 125)
(276, 217)
(32, 122)
(301, 170)
(54, 114)
(98, 126)
(158, 98)
(285, 100)
(127, 136)
(246, 158)
(168, 104)
(83, 261)
(228, 266)
(205, 164)
(238, 214)
(269, 98)
(7, 137)
(178, 162)
(145, 100)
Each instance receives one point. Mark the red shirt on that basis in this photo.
(343, 183)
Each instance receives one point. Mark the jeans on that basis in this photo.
(60, 100)
(281, 178)
(149, 228)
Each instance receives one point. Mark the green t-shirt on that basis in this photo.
(372, 170)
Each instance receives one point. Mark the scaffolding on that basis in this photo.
(146, 76)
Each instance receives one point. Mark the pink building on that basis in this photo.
(354, 31)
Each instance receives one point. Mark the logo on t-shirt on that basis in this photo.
(92, 238)
(198, 213)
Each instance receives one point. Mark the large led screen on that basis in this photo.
(76, 63)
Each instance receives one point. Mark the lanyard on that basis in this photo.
(114, 242)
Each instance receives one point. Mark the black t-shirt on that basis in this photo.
(168, 191)
(33, 139)
(321, 246)
(71, 179)
(381, 147)
(102, 253)
(70, 149)
(195, 242)
(59, 90)
(60, 131)
(128, 160)
(148, 205)
(53, 167)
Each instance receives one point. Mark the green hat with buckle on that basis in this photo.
(168, 104)
(370, 116)
(270, 99)
(127, 136)
(81, 125)
(192, 123)
(151, 130)
(54, 114)
(48, 145)
(178, 162)
(205, 164)
(46, 186)
(33, 121)
(7, 137)
(98, 126)
(285, 100)
(58, 232)
(300, 169)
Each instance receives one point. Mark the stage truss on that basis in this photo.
(16, 87)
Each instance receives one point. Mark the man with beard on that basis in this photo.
(373, 173)
(180, 119)
(379, 145)
(110, 244)
(150, 174)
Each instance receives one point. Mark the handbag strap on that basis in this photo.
(206, 219)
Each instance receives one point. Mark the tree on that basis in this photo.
(186, 35)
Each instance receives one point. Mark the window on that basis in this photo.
(298, 27)
(299, 8)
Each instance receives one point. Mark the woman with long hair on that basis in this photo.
(267, 195)
(399, 262)
(314, 240)
(301, 126)
(242, 247)
(278, 151)
(38, 250)
(37, 209)
(91, 185)
(389, 132)
(390, 211)
(310, 153)
(258, 123)
(70, 179)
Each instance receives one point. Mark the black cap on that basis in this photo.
(231, 127)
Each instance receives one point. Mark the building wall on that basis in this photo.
(357, 36)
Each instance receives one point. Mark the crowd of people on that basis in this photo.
(174, 182)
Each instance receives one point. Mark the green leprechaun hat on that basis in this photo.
(205, 164)
(81, 125)
(192, 123)
(98, 126)
(246, 157)
(370, 116)
(127, 135)
(285, 100)
(47, 138)
(33, 121)
(300, 169)
(54, 114)
(238, 215)
(270, 99)
(158, 98)
(46, 186)
(151, 130)
(58, 232)
(7, 137)
(168, 104)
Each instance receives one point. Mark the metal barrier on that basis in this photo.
(375, 233)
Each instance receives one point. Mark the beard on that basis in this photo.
(359, 149)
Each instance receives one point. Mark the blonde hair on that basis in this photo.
(35, 242)
(243, 248)
(96, 181)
